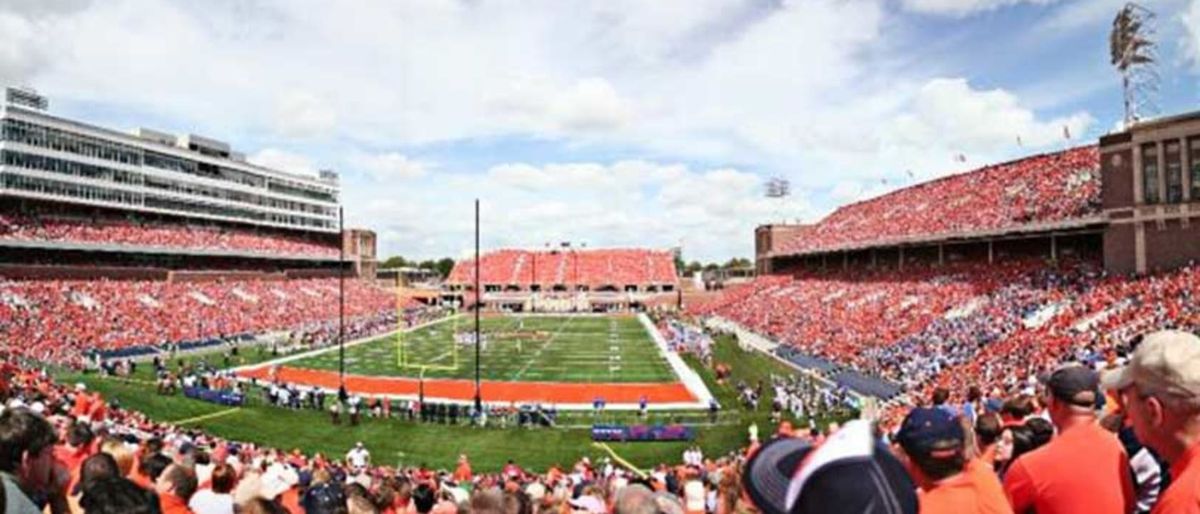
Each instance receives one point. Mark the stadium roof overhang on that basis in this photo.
(159, 250)
(1088, 224)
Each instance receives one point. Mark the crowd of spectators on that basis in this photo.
(1118, 437)
(593, 268)
(124, 231)
(993, 326)
(61, 321)
(1035, 190)
(157, 467)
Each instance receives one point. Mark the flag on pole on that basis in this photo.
(960, 158)
(1066, 132)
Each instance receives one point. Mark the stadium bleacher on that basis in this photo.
(62, 320)
(594, 268)
(1039, 190)
(145, 234)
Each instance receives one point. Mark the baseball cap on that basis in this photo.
(926, 430)
(1070, 383)
(588, 503)
(1167, 361)
(851, 469)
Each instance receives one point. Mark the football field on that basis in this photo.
(601, 349)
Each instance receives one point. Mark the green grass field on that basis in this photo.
(392, 441)
(526, 348)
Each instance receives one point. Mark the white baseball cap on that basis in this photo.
(1167, 361)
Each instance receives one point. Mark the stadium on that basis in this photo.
(179, 322)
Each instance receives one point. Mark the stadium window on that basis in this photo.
(1195, 165)
(1150, 192)
(1174, 178)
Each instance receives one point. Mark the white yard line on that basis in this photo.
(531, 360)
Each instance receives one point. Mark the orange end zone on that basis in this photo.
(493, 391)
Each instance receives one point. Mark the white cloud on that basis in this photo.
(1191, 41)
(19, 48)
(961, 8)
(588, 105)
(300, 114)
(813, 91)
(625, 203)
(283, 160)
(957, 117)
(389, 166)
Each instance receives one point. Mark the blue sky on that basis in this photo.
(615, 123)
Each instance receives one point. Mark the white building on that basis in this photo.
(46, 157)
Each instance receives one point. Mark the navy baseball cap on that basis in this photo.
(1074, 383)
(926, 431)
(852, 470)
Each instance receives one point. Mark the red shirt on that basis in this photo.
(1183, 495)
(171, 504)
(1084, 469)
(974, 491)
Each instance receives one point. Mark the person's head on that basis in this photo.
(1071, 394)
(224, 477)
(176, 480)
(1160, 391)
(121, 452)
(987, 429)
(484, 501)
(423, 498)
(1015, 441)
(260, 505)
(940, 396)
(360, 504)
(154, 466)
(326, 498)
(116, 495)
(635, 499)
(517, 502)
(1018, 407)
(79, 435)
(974, 393)
(932, 440)
(1040, 431)
(96, 467)
(851, 469)
(27, 448)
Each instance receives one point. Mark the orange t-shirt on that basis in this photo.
(974, 491)
(1084, 469)
(463, 472)
(1183, 495)
(171, 504)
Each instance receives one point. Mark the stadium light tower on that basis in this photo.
(778, 189)
(1132, 52)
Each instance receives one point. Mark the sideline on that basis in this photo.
(206, 416)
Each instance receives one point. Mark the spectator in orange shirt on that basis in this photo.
(1084, 468)
(175, 487)
(463, 474)
(1160, 392)
(933, 441)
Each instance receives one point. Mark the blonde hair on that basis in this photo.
(120, 452)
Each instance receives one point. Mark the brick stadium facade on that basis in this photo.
(1151, 177)
(1146, 217)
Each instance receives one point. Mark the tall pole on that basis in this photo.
(478, 307)
(342, 300)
